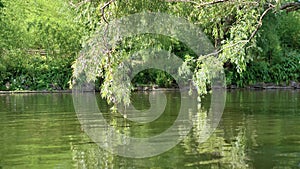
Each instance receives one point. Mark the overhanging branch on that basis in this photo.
(244, 42)
(260, 21)
(289, 7)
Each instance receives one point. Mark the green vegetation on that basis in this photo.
(40, 40)
(252, 41)
(276, 58)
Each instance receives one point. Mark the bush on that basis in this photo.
(21, 71)
(286, 70)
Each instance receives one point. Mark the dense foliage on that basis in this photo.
(276, 59)
(250, 51)
(39, 40)
(257, 41)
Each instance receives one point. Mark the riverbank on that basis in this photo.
(262, 85)
(35, 91)
(257, 86)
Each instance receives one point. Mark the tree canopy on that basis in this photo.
(255, 41)
(234, 27)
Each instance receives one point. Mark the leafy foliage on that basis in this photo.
(33, 72)
(276, 57)
(228, 25)
(39, 40)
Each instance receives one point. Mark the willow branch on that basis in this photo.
(289, 7)
(251, 36)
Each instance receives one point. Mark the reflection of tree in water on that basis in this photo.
(88, 154)
(91, 156)
(216, 151)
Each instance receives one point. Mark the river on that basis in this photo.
(258, 129)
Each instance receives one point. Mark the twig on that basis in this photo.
(260, 21)
(193, 2)
(212, 3)
(198, 5)
(230, 46)
(103, 9)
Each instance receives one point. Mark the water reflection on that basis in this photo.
(259, 129)
(216, 151)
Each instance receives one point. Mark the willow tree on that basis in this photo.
(232, 27)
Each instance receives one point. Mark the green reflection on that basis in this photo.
(259, 129)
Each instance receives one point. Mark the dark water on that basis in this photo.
(258, 129)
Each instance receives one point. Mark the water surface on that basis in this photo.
(258, 129)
